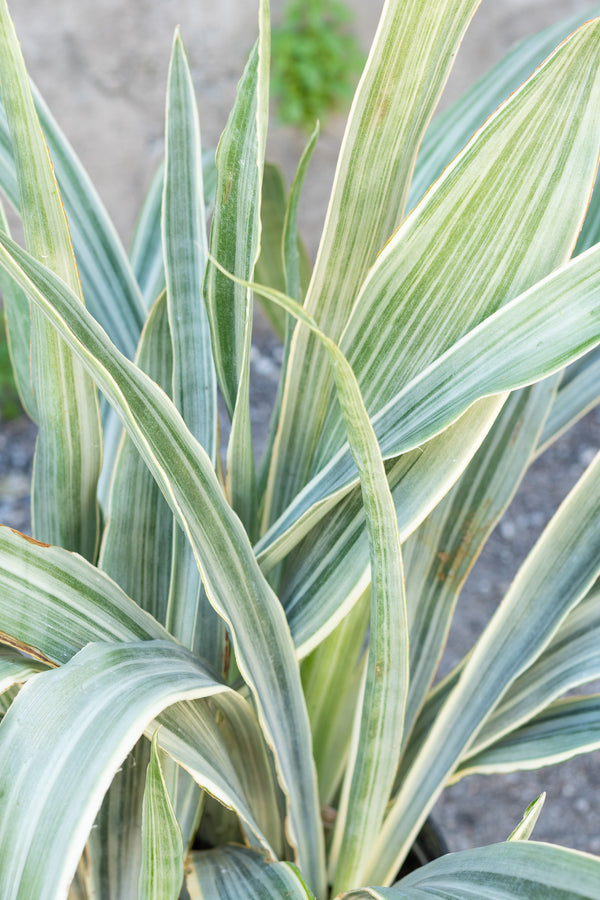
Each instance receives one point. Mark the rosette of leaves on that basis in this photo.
(219, 682)
(316, 61)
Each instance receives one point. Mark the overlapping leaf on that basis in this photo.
(409, 62)
(233, 581)
(510, 871)
(161, 875)
(69, 446)
(554, 579)
(65, 737)
(232, 872)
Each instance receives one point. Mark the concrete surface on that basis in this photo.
(102, 67)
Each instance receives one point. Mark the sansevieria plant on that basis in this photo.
(219, 681)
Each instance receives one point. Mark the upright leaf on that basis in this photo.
(190, 618)
(407, 68)
(138, 530)
(379, 718)
(69, 447)
(161, 876)
(235, 242)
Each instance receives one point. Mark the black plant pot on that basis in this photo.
(429, 845)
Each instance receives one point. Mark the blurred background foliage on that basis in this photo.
(316, 61)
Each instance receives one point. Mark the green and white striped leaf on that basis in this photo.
(229, 873)
(557, 574)
(134, 553)
(563, 730)
(240, 776)
(113, 852)
(161, 876)
(516, 870)
(109, 286)
(524, 829)
(185, 249)
(440, 554)
(111, 292)
(235, 242)
(447, 135)
(234, 238)
(450, 130)
(571, 659)
(17, 317)
(53, 603)
(190, 617)
(408, 65)
(235, 586)
(16, 668)
(146, 247)
(331, 677)
(533, 164)
(295, 277)
(139, 523)
(530, 338)
(69, 446)
(68, 731)
(379, 720)
(330, 569)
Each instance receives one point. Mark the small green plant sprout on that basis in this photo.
(316, 61)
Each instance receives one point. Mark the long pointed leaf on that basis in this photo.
(531, 166)
(162, 862)
(69, 447)
(538, 601)
(194, 379)
(408, 65)
(532, 337)
(379, 720)
(235, 586)
(512, 871)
